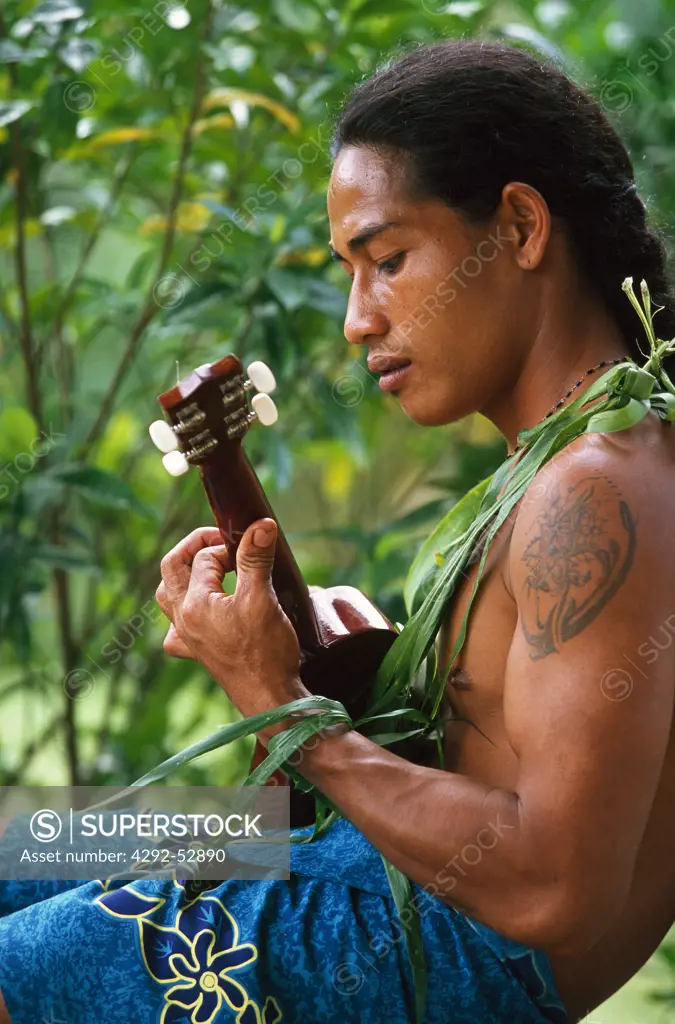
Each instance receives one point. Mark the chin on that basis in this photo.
(425, 412)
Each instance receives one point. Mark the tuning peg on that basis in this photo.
(265, 409)
(175, 463)
(261, 377)
(163, 437)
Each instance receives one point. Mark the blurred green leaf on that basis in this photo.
(11, 110)
(18, 432)
(52, 11)
(63, 558)
(289, 288)
(100, 487)
(297, 15)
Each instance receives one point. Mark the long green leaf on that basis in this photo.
(401, 891)
(287, 742)
(100, 487)
(234, 731)
(449, 531)
(619, 419)
(385, 739)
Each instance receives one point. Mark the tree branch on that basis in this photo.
(25, 326)
(150, 307)
(62, 367)
(34, 747)
(70, 658)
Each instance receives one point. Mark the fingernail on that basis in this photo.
(263, 538)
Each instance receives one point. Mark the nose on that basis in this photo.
(363, 319)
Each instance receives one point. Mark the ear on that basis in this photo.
(526, 219)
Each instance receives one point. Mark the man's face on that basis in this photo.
(431, 298)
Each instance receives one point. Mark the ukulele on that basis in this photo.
(342, 635)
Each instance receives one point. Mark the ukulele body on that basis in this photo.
(356, 637)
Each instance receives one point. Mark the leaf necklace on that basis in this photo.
(603, 362)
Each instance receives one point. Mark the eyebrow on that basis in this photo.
(358, 241)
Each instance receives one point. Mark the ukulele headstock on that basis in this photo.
(209, 411)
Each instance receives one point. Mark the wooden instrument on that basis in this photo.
(342, 636)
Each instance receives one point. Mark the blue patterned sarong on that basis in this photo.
(325, 947)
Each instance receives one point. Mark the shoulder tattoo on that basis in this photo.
(581, 553)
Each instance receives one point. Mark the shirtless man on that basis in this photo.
(570, 742)
(565, 753)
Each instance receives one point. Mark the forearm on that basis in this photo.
(453, 835)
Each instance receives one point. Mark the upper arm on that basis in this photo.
(588, 694)
(4, 1015)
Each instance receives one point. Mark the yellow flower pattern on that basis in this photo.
(196, 958)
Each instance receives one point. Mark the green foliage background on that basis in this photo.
(162, 201)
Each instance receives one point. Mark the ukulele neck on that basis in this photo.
(237, 499)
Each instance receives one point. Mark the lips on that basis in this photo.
(383, 363)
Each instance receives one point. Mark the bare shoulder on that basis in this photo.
(595, 519)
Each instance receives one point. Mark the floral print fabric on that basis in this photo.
(324, 947)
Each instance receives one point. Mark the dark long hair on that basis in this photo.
(469, 116)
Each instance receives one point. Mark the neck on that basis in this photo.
(555, 362)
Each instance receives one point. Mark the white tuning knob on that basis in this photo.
(163, 436)
(265, 409)
(175, 463)
(261, 377)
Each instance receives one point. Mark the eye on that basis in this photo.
(391, 265)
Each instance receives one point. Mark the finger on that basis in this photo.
(176, 565)
(162, 600)
(255, 556)
(174, 646)
(206, 578)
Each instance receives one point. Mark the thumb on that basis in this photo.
(255, 554)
